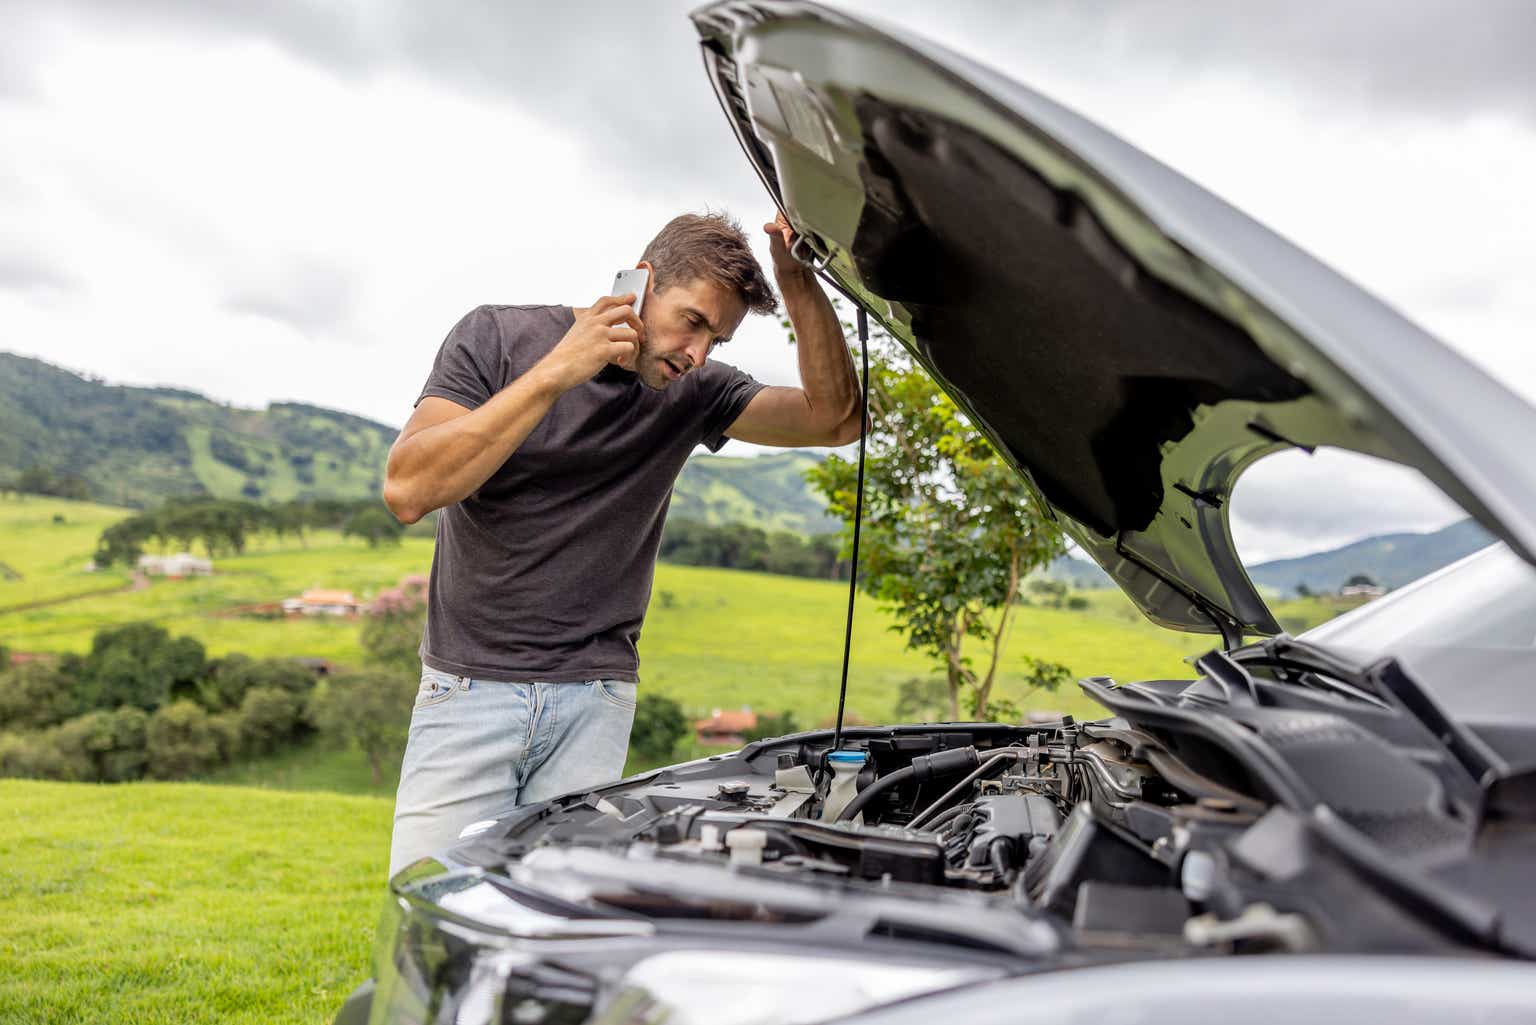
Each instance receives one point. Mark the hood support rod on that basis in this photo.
(858, 516)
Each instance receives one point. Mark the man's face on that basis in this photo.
(683, 322)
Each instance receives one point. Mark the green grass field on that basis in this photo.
(253, 899)
(177, 903)
(713, 638)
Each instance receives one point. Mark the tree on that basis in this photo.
(375, 525)
(1303, 591)
(181, 741)
(35, 696)
(370, 708)
(267, 719)
(228, 679)
(101, 746)
(950, 530)
(1360, 580)
(137, 664)
(659, 725)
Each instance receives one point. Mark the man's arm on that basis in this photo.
(824, 410)
(446, 451)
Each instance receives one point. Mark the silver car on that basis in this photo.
(1334, 827)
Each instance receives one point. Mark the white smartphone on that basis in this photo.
(633, 280)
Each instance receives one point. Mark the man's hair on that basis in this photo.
(712, 246)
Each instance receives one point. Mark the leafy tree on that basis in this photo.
(1360, 580)
(375, 525)
(180, 741)
(370, 708)
(950, 530)
(35, 696)
(1052, 593)
(137, 664)
(659, 725)
(228, 679)
(102, 746)
(268, 717)
(1303, 591)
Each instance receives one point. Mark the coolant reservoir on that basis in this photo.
(846, 766)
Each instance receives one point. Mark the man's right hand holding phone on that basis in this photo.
(606, 332)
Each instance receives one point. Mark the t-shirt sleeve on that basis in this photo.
(726, 393)
(467, 369)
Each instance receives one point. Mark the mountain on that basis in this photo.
(1390, 560)
(762, 491)
(137, 446)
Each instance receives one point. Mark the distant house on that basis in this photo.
(182, 564)
(1362, 591)
(322, 601)
(725, 727)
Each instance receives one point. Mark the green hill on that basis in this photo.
(138, 446)
(761, 491)
(1390, 560)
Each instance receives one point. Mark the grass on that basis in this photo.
(713, 638)
(174, 903)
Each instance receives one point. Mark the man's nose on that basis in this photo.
(698, 352)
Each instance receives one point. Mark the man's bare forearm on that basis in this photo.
(826, 369)
(448, 461)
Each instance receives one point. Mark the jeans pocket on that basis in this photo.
(618, 692)
(436, 687)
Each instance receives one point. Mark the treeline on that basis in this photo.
(224, 526)
(143, 703)
(39, 480)
(738, 546)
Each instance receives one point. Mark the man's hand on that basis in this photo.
(781, 238)
(605, 332)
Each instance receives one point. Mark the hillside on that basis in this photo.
(138, 446)
(761, 491)
(1390, 560)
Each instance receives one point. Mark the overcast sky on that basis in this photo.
(269, 200)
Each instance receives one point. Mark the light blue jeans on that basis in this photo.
(478, 748)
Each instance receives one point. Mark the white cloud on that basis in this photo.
(273, 202)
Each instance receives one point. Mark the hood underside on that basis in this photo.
(1129, 342)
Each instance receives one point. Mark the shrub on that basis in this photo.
(102, 746)
(225, 727)
(138, 664)
(659, 725)
(181, 742)
(268, 717)
(35, 696)
(29, 755)
(370, 708)
(232, 676)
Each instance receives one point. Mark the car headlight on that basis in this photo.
(470, 948)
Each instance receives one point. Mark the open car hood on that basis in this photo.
(1129, 342)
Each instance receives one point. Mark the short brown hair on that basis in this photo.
(712, 246)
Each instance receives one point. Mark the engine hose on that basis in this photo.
(945, 818)
(923, 768)
(874, 790)
(981, 770)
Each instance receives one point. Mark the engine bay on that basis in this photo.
(1124, 837)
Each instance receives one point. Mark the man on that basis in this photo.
(551, 437)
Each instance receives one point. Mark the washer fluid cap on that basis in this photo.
(848, 757)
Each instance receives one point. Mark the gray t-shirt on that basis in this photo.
(545, 572)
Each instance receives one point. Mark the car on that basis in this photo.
(1336, 826)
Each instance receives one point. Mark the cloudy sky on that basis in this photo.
(280, 199)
